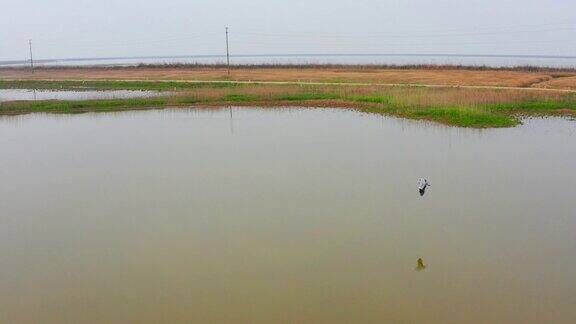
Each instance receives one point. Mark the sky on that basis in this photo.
(101, 28)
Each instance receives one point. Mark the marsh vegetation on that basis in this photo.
(464, 107)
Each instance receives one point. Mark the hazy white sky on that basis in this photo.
(94, 28)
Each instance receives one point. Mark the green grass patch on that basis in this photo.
(73, 106)
(380, 99)
(308, 96)
(463, 116)
(239, 97)
(532, 106)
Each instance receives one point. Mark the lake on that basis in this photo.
(293, 215)
(378, 59)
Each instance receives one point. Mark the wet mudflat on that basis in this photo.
(250, 215)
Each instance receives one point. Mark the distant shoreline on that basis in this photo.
(523, 68)
(259, 60)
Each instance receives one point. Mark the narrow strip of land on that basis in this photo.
(437, 76)
(312, 83)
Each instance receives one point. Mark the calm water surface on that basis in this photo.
(32, 94)
(391, 58)
(284, 215)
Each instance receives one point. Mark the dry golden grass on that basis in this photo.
(506, 78)
(422, 97)
(559, 83)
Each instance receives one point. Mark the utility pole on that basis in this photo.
(227, 52)
(31, 57)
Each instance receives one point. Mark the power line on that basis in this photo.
(396, 35)
(327, 41)
(477, 29)
(125, 42)
(481, 31)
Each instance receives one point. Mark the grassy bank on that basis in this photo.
(478, 108)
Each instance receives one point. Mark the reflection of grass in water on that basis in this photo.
(461, 107)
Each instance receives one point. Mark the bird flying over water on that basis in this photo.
(422, 185)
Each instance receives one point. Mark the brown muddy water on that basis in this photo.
(250, 215)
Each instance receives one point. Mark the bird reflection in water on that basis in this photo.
(421, 266)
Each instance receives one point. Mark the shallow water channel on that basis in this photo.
(32, 94)
(247, 215)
